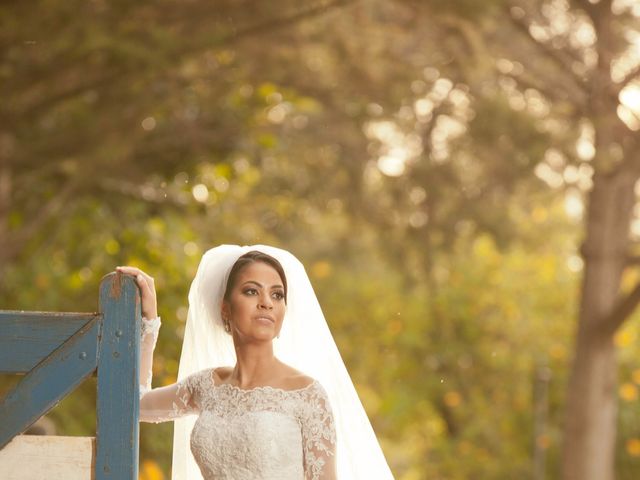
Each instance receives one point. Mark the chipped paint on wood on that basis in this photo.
(116, 285)
(118, 380)
(108, 342)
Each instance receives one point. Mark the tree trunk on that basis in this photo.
(5, 193)
(591, 410)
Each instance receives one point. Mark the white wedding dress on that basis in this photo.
(262, 433)
(319, 432)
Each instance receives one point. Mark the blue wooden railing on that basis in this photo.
(57, 351)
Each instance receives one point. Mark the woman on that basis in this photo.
(254, 326)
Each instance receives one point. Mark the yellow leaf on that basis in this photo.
(42, 281)
(465, 447)
(266, 89)
(321, 269)
(624, 338)
(394, 327)
(452, 399)
(539, 214)
(557, 351)
(543, 441)
(633, 447)
(628, 392)
(168, 380)
(150, 471)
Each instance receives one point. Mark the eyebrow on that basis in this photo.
(260, 285)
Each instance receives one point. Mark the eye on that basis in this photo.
(250, 291)
(278, 295)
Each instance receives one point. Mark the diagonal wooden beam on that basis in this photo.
(54, 378)
(27, 338)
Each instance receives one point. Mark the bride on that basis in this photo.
(262, 392)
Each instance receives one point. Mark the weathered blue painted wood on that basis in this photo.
(108, 342)
(26, 338)
(43, 387)
(118, 402)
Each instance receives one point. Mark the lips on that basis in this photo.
(266, 318)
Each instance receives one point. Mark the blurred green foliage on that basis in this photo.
(145, 133)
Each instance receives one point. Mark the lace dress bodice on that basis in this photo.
(261, 433)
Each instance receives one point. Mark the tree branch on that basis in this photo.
(630, 166)
(469, 33)
(621, 311)
(549, 52)
(288, 20)
(32, 112)
(5, 197)
(585, 5)
(120, 76)
(555, 93)
(593, 10)
(49, 210)
(629, 77)
(148, 193)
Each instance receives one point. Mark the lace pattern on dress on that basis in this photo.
(168, 403)
(309, 406)
(238, 427)
(318, 432)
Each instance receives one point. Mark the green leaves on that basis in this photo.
(394, 146)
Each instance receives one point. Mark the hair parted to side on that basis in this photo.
(247, 259)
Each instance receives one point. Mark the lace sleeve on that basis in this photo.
(168, 403)
(318, 435)
(149, 335)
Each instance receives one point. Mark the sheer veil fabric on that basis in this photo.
(305, 343)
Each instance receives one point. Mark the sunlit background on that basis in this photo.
(430, 162)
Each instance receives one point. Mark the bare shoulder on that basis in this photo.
(294, 379)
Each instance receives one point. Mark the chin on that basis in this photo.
(265, 336)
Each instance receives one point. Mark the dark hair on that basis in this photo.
(247, 259)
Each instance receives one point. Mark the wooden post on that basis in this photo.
(118, 402)
(57, 351)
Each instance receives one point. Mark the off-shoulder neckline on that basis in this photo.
(258, 388)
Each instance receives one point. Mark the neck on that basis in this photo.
(255, 364)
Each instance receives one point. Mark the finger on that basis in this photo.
(142, 282)
(146, 289)
(148, 278)
(129, 270)
(134, 271)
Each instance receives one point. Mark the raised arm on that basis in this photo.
(166, 403)
(150, 323)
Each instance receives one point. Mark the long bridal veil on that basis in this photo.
(305, 343)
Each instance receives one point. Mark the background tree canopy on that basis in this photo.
(459, 179)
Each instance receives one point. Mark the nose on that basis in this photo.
(265, 302)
